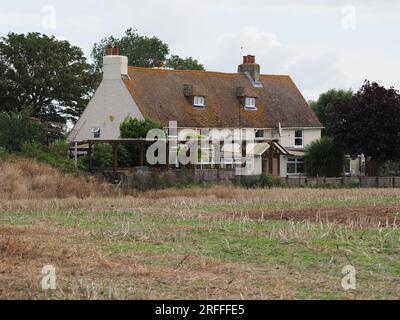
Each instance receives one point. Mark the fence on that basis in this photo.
(127, 177)
(364, 182)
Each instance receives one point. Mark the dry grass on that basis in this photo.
(27, 179)
(199, 243)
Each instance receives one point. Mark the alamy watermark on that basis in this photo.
(349, 279)
(49, 18)
(349, 19)
(49, 281)
(204, 146)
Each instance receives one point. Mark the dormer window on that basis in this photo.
(198, 101)
(250, 103)
(95, 133)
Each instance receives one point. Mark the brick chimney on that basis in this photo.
(250, 68)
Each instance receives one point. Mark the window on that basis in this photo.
(259, 133)
(198, 101)
(295, 166)
(95, 133)
(250, 103)
(298, 138)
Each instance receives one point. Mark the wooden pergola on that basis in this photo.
(142, 143)
(115, 143)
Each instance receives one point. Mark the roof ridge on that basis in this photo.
(200, 72)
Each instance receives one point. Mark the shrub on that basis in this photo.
(134, 128)
(102, 155)
(59, 147)
(324, 158)
(260, 181)
(37, 151)
(19, 128)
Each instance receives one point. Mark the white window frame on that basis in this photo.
(95, 131)
(296, 161)
(250, 103)
(299, 138)
(199, 101)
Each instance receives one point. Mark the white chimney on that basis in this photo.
(114, 65)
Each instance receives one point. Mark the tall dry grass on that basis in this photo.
(27, 179)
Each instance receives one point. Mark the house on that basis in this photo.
(269, 109)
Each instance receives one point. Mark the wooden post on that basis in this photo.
(270, 160)
(76, 155)
(279, 165)
(115, 162)
(167, 155)
(141, 156)
(90, 156)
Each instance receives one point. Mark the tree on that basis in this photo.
(324, 158)
(48, 75)
(134, 128)
(142, 51)
(323, 107)
(369, 123)
(17, 129)
(178, 63)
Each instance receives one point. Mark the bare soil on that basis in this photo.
(366, 215)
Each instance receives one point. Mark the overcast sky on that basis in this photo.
(321, 44)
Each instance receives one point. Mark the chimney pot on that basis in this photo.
(109, 50)
(245, 59)
(116, 51)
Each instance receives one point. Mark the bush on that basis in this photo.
(260, 181)
(37, 151)
(19, 128)
(102, 155)
(134, 128)
(59, 147)
(324, 158)
(152, 181)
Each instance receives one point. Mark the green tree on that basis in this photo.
(323, 107)
(134, 128)
(178, 63)
(17, 129)
(48, 75)
(324, 158)
(369, 123)
(102, 155)
(142, 51)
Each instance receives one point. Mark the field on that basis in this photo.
(199, 243)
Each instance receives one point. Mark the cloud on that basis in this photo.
(302, 38)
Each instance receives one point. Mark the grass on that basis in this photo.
(188, 250)
(198, 243)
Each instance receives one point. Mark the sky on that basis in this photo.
(321, 44)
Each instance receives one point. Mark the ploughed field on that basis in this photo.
(203, 243)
